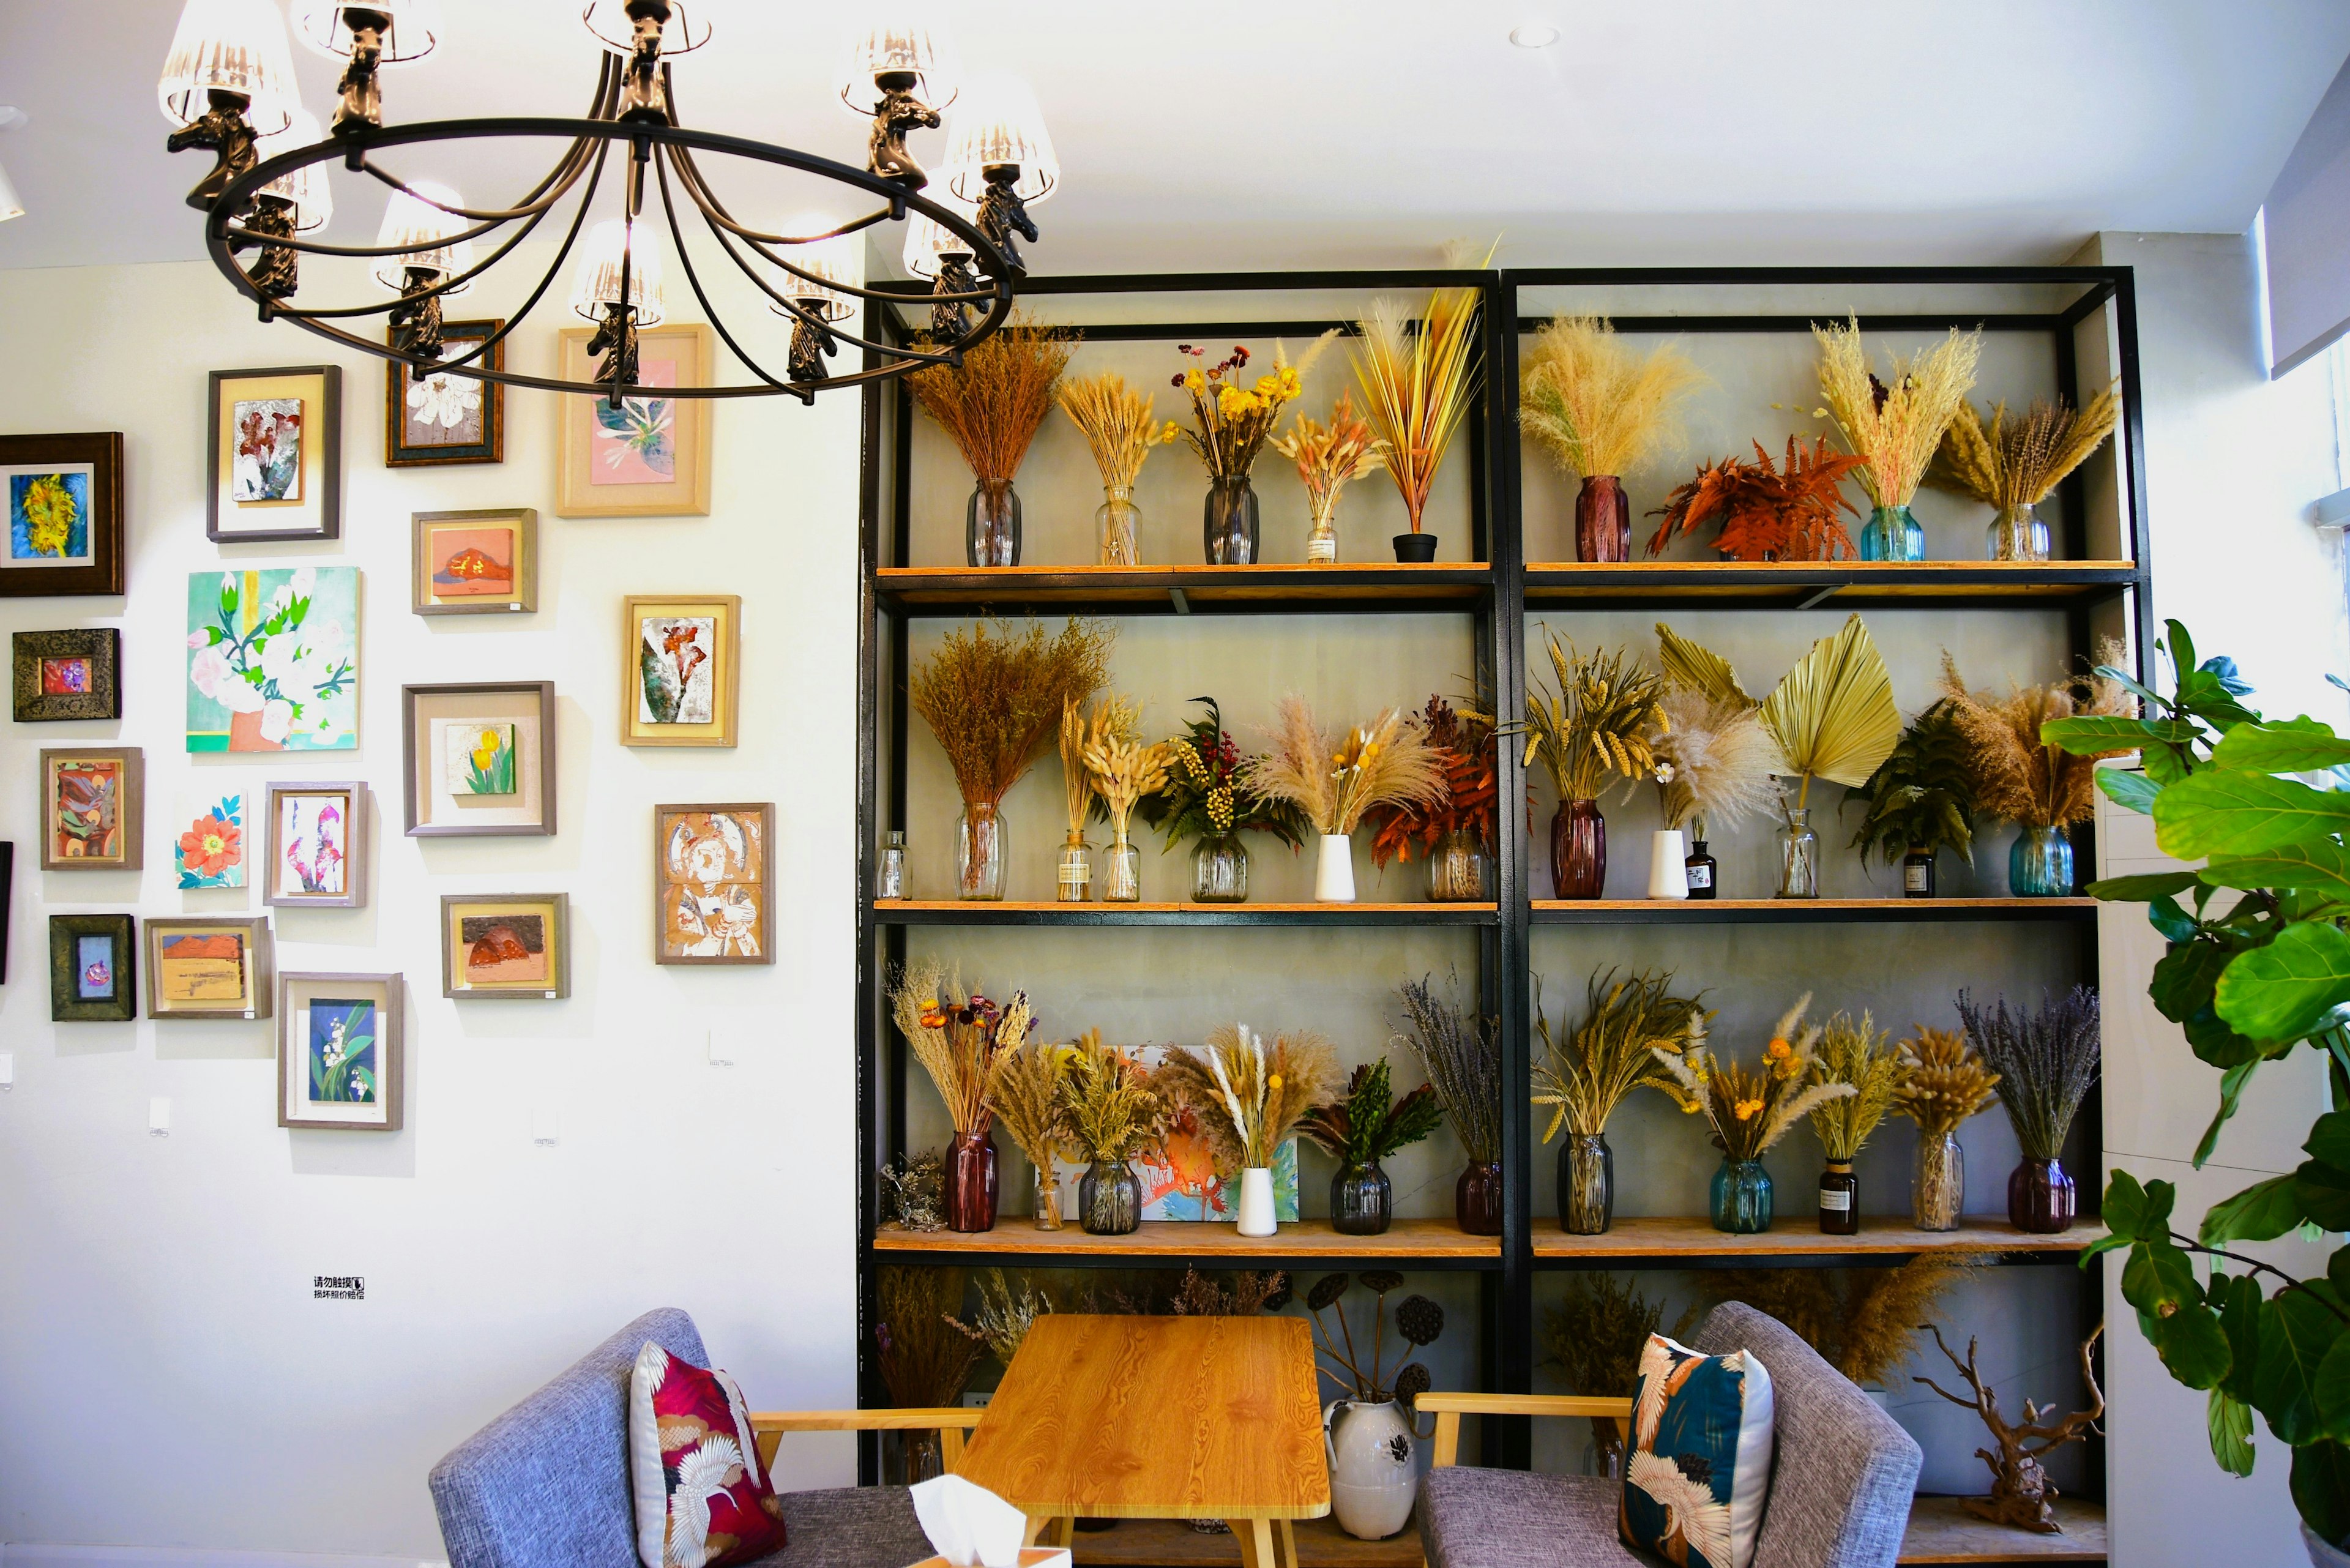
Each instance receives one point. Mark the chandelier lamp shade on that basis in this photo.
(629, 205)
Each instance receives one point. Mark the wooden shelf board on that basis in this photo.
(1172, 1543)
(1171, 1242)
(1442, 585)
(1939, 584)
(1796, 1234)
(959, 912)
(1942, 1531)
(1804, 911)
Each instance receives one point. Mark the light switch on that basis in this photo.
(158, 1117)
(545, 1126)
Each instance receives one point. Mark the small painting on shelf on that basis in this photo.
(681, 670)
(340, 1058)
(70, 674)
(433, 418)
(715, 867)
(93, 969)
(209, 851)
(317, 836)
(276, 455)
(514, 946)
(92, 809)
(64, 500)
(475, 562)
(650, 456)
(273, 659)
(199, 967)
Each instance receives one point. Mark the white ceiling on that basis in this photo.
(1216, 134)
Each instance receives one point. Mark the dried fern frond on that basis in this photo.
(1768, 512)
(1597, 406)
(1894, 428)
(1334, 783)
(2016, 775)
(1722, 759)
(993, 695)
(1863, 1057)
(992, 404)
(1948, 1082)
(2017, 463)
(1833, 714)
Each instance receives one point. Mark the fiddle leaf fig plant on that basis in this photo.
(2258, 967)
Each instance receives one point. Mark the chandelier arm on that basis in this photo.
(689, 174)
(685, 259)
(566, 170)
(574, 163)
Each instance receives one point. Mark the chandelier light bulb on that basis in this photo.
(925, 54)
(598, 282)
(421, 230)
(998, 125)
(229, 45)
(927, 239)
(838, 260)
(687, 29)
(307, 186)
(412, 28)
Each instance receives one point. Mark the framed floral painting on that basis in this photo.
(93, 969)
(209, 846)
(480, 759)
(71, 674)
(517, 945)
(93, 804)
(680, 657)
(474, 563)
(340, 1066)
(650, 457)
(432, 417)
(315, 846)
(713, 870)
(199, 967)
(64, 498)
(274, 660)
(276, 440)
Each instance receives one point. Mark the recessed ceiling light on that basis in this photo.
(1534, 36)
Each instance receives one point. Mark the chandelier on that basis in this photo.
(228, 87)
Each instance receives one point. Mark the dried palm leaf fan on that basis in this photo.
(1834, 718)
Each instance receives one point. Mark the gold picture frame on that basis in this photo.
(608, 463)
(93, 796)
(199, 967)
(474, 563)
(513, 945)
(680, 669)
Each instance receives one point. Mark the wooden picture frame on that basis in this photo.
(7, 902)
(303, 1002)
(515, 720)
(185, 956)
(454, 563)
(715, 884)
(694, 643)
(76, 673)
(252, 498)
(78, 515)
(294, 824)
(70, 955)
(605, 465)
(416, 431)
(68, 828)
(483, 934)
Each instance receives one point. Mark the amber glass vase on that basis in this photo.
(2041, 1197)
(969, 1179)
(1477, 1199)
(1578, 850)
(1602, 520)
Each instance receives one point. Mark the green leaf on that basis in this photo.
(2190, 1343)
(2141, 1213)
(2139, 889)
(2297, 1332)
(2323, 1190)
(2296, 746)
(2333, 1389)
(2217, 1045)
(2329, 1141)
(2232, 1091)
(2218, 814)
(2164, 766)
(2129, 788)
(2319, 864)
(2230, 1423)
(2321, 1488)
(2175, 923)
(2160, 1281)
(2105, 733)
(2260, 1212)
(2104, 1245)
(2180, 646)
(2187, 978)
(2291, 988)
(2238, 1302)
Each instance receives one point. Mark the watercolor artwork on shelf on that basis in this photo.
(675, 657)
(648, 457)
(445, 416)
(62, 499)
(208, 968)
(504, 950)
(515, 946)
(93, 969)
(683, 661)
(275, 464)
(273, 659)
(71, 674)
(475, 562)
(209, 849)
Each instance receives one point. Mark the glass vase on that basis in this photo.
(1891, 534)
(1586, 1185)
(992, 525)
(1704, 872)
(1121, 872)
(1110, 1198)
(1839, 1201)
(1799, 856)
(2017, 533)
(1362, 1201)
(1230, 526)
(2040, 865)
(1117, 525)
(969, 1179)
(2041, 1198)
(1322, 542)
(1477, 1199)
(1046, 1208)
(1073, 877)
(1938, 1195)
(1917, 880)
(1602, 520)
(1456, 870)
(1578, 850)
(1220, 868)
(979, 851)
(1741, 1199)
(891, 882)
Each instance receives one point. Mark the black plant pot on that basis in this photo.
(1419, 548)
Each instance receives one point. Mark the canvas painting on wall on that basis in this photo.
(51, 514)
(650, 456)
(276, 454)
(681, 670)
(208, 850)
(475, 562)
(70, 674)
(273, 659)
(93, 969)
(445, 416)
(62, 499)
(92, 807)
(340, 1058)
(208, 968)
(317, 846)
(515, 947)
(478, 757)
(713, 870)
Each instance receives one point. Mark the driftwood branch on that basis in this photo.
(2021, 1491)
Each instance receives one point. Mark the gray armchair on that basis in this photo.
(1840, 1483)
(546, 1485)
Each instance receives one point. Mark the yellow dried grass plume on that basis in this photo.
(2016, 462)
(2018, 777)
(1894, 427)
(1864, 1056)
(1334, 782)
(1598, 406)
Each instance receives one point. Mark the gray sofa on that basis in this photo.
(546, 1485)
(1840, 1487)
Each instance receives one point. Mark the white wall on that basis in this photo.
(168, 1379)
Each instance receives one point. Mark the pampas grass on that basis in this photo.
(1416, 386)
(1833, 714)
(1721, 758)
(1024, 1093)
(1894, 429)
(1750, 1108)
(2045, 1060)
(1386, 762)
(2018, 777)
(1585, 1075)
(1861, 1321)
(956, 1036)
(1116, 424)
(993, 695)
(2017, 463)
(1948, 1083)
(1252, 1095)
(1863, 1057)
(1599, 722)
(992, 404)
(1597, 406)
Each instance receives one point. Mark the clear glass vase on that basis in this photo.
(1322, 543)
(1229, 527)
(1891, 534)
(1117, 525)
(1072, 875)
(2040, 865)
(1362, 1200)
(1047, 1207)
(1938, 1195)
(1220, 870)
(979, 851)
(1740, 1199)
(1799, 856)
(1586, 1185)
(1121, 872)
(1456, 870)
(891, 882)
(992, 525)
(1109, 1199)
(2017, 533)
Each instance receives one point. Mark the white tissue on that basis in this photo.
(969, 1524)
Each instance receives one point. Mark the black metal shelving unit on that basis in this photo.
(1499, 590)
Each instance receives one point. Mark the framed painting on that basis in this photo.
(681, 656)
(209, 846)
(315, 846)
(274, 660)
(480, 759)
(715, 870)
(64, 495)
(93, 969)
(515, 945)
(71, 674)
(340, 1067)
(474, 563)
(650, 456)
(93, 805)
(435, 417)
(7, 902)
(208, 969)
(276, 440)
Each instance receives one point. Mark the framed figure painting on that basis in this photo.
(71, 674)
(93, 808)
(200, 968)
(432, 417)
(713, 870)
(516, 945)
(474, 563)
(274, 660)
(316, 846)
(340, 1067)
(64, 495)
(276, 455)
(680, 654)
(479, 759)
(650, 456)
(93, 969)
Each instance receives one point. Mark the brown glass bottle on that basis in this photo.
(1839, 1201)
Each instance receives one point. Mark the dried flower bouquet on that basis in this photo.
(1385, 761)
(1597, 406)
(957, 1037)
(1894, 428)
(1748, 1109)
(1329, 458)
(1416, 386)
(1584, 1075)
(1231, 423)
(992, 404)
(1251, 1097)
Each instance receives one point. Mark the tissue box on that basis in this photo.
(1030, 1557)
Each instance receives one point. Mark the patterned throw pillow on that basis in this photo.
(693, 1465)
(1701, 1456)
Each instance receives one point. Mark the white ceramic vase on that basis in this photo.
(1372, 1477)
(1668, 863)
(1256, 1203)
(1334, 872)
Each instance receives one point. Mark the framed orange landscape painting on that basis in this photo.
(475, 562)
(199, 967)
(515, 945)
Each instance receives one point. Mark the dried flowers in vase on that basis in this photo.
(1863, 1057)
(1205, 798)
(925, 1358)
(1124, 771)
(1833, 717)
(2041, 788)
(1023, 1095)
(1861, 1321)
(1084, 728)
(1005, 1313)
(1768, 512)
(1721, 759)
(2046, 1060)
(1385, 761)
(1361, 1128)
(1230, 427)
(1328, 458)
(1593, 1339)
(1454, 832)
(1598, 726)
(913, 1191)
(1584, 1075)
(1602, 409)
(1113, 1113)
(992, 405)
(993, 696)
(1417, 387)
(2013, 466)
(1461, 1051)
(1894, 429)
(957, 1037)
(1119, 431)
(1948, 1082)
(1919, 801)
(1748, 1109)
(1419, 1322)
(1250, 1098)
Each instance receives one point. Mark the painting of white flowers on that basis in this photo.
(272, 660)
(339, 1052)
(445, 416)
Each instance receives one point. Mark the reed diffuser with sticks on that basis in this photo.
(992, 405)
(2013, 466)
(2044, 790)
(957, 1037)
(1329, 458)
(2046, 1058)
(1417, 387)
(1948, 1082)
(1896, 427)
(1601, 410)
(1863, 1057)
(1833, 717)
(1335, 782)
(1250, 1096)
(1585, 1074)
(1461, 1051)
(1231, 425)
(1595, 727)
(1119, 431)
(1748, 1109)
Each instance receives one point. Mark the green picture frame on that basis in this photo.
(72, 953)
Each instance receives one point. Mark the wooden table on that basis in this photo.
(1159, 1417)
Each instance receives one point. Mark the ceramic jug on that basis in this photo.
(1372, 1477)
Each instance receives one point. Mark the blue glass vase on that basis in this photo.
(2040, 865)
(1741, 1198)
(1892, 534)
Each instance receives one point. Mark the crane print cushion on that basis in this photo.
(693, 1466)
(1699, 1466)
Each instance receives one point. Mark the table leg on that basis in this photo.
(1035, 1529)
(1064, 1531)
(1245, 1531)
(1288, 1545)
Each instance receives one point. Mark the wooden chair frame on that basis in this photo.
(1448, 1410)
(767, 1428)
